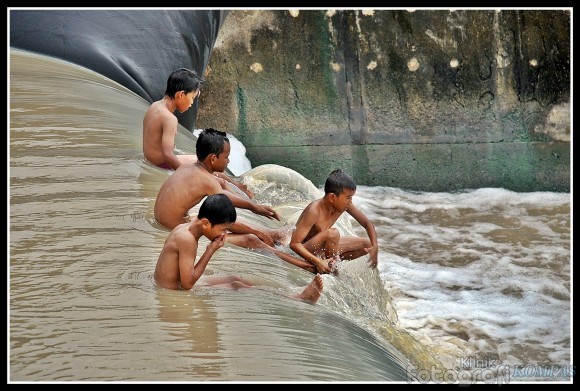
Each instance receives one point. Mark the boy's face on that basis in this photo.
(223, 159)
(216, 230)
(185, 100)
(343, 201)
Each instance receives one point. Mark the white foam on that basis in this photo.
(488, 267)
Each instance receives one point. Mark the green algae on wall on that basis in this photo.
(436, 100)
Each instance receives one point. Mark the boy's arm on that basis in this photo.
(169, 130)
(219, 186)
(239, 185)
(258, 209)
(189, 271)
(371, 232)
(303, 227)
(240, 228)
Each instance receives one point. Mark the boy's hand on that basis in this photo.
(245, 189)
(328, 265)
(267, 211)
(373, 259)
(217, 243)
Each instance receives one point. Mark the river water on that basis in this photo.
(475, 283)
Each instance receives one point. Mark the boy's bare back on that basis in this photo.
(185, 188)
(159, 131)
(167, 271)
(160, 124)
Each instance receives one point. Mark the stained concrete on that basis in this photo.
(434, 100)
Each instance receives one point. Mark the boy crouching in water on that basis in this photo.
(317, 242)
(176, 267)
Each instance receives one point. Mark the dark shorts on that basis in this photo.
(165, 166)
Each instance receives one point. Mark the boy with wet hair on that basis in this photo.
(160, 123)
(176, 267)
(191, 183)
(314, 238)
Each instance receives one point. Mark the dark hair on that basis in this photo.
(210, 141)
(183, 79)
(337, 181)
(218, 209)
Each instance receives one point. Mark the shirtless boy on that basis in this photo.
(160, 124)
(176, 267)
(317, 242)
(190, 183)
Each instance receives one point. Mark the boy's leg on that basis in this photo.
(312, 292)
(295, 261)
(252, 242)
(324, 245)
(353, 247)
(280, 236)
(231, 281)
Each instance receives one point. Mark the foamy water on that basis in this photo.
(481, 274)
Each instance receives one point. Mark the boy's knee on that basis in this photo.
(252, 241)
(333, 234)
(237, 284)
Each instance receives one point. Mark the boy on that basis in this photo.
(317, 242)
(176, 267)
(189, 184)
(160, 124)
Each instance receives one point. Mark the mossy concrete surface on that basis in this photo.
(434, 100)
(432, 167)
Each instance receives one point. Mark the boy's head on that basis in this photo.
(339, 190)
(185, 80)
(219, 214)
(338, 181)
(211, 141)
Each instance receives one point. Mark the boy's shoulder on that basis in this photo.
(158, 108)
(182, 231)
(191, 175)
(314, 206)
(313, 202)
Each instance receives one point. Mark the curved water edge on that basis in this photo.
(83, 245)
(167, 39)
(478, 276)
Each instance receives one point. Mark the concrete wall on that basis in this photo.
(432, 100)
